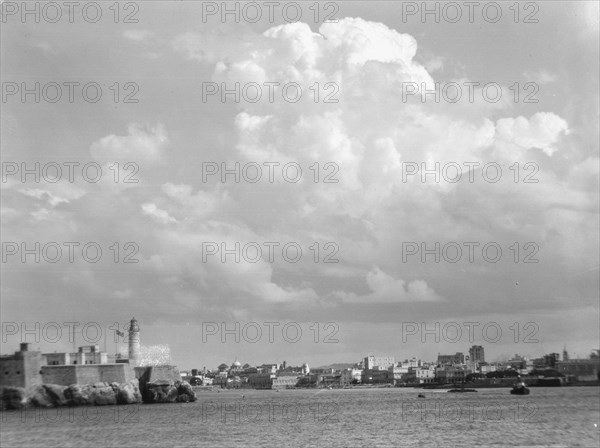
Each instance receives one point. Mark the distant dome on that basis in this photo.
(237, 363)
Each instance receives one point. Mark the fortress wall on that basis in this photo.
(119, 373)
(86, 374)
(62, 375)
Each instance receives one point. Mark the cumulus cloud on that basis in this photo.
(363, 141)
(387, 289)
(541, 131)
(159, 215)
(369, 134)
(140, 144)
(55, 193)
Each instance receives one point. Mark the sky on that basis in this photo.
(360, 210)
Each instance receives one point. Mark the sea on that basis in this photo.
(385, 417)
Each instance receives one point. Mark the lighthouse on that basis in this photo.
(134, 343)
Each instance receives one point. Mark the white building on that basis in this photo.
(379, 362)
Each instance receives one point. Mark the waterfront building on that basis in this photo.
(424, 375)
(376, 376)
(451, 374)
(284, 381)
(378, 362)
(580, 369)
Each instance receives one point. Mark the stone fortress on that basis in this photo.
(31, 370)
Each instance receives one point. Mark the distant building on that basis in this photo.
(546, 361)
(399, 372)
(236, 366)
(451, 374)
(424, 375)
(455, 359)
(284, 381)
(413, 362)
(580, 369)
(377, 376)
(268, 368)
(378, 362)
(476, 353)
(305, 369)
(487, 368)
(350, 376)
(261, 380)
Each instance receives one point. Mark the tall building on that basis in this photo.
(134, 343)
(476, 353)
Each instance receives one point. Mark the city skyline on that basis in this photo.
(216, 357)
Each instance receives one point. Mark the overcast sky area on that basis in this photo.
(371, 137)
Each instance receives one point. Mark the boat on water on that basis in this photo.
(519, 391)
(519, 388)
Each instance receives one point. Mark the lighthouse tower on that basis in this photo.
(134, 343)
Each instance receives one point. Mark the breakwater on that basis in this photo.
(97, 394)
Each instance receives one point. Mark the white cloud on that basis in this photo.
(143, 144)
(541, 131)
(152, 210)
(541, 77)
(56, 193)
(138, 35)
(387, 289)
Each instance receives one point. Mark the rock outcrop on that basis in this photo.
(167, 392)
(128, 393)
(56, 394)
(52, 395)
(14, 398)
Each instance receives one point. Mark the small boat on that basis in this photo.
(519, 391)
(519, 388)
(421, 396)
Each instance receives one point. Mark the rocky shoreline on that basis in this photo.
(98, 394)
